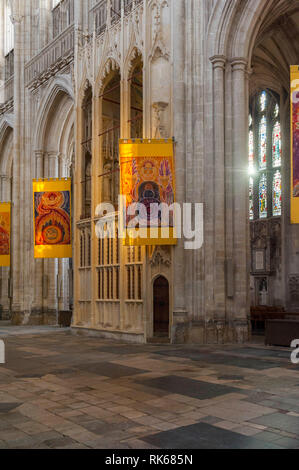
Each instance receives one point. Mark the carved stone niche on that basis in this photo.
(159, 128)
(161, 255)
(294, 288)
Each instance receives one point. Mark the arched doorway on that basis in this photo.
(272, 237)
(246, 59)
(161, 306)
(54, 143)
(6, 194)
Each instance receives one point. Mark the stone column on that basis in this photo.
(38, 263)
(219, 62)
(240, 198)
(180, 314)
(45, 7)
(51, 265)
(17, 238)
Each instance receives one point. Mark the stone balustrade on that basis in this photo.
(6, 94)
(54, 57)
(99, 13)
(60, 52)
(62, 16)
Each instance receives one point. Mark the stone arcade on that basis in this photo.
(78, 75)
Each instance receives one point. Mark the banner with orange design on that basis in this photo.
(147, 184)
(295, 144)
(52, 218)
(5, 224)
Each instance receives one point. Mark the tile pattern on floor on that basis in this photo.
(62, 391)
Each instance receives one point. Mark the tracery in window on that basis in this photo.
(265, 157)
(263, 143)
(263, 101)
(276, 146)
(277, 194)
(263, 197)
(251, 151)
(108, 268)
(87, 154)
(251, 201)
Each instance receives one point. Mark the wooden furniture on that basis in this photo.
(282, 332)
(262, 313)
(65, 318)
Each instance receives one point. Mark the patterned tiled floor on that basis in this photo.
(58, 390)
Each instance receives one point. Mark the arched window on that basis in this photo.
(87, 154)
(8, 42)
(265, 157)
(8, 30)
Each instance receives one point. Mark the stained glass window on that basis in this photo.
(277, 194)
(251, 201)
(263, 101)
(263, 195)
(251, 152)
(263, 143)
(276, 146)
(265, 156)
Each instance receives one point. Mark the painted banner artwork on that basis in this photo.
(295, 144)
(5, 211)
(52, 218)
(148, 179)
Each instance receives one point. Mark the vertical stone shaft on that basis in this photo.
(179, 124)
(240, 186)
(220, 187)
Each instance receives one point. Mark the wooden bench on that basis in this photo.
(282, 332)
(261, 314)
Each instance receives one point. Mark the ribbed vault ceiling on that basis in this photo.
(277, 44)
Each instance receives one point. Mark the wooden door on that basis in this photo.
(161, 306)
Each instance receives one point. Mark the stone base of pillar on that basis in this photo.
(5, 315)
(50, 317)
(34, 318)
(213, 332)
(180, 327)
(136, 338)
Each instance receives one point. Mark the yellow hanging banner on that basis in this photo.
(52, 218)
(294, 144)
(5, 224)
(147, 188)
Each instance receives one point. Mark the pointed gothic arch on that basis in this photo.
(60, 86)
(238, 60)
(6, 147)
(110, 65)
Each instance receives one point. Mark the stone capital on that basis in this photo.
(52, 154)
(218, 61)
(39, 153)
(4, 177)
(239, 63)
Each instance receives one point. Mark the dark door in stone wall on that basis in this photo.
(161, 306)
